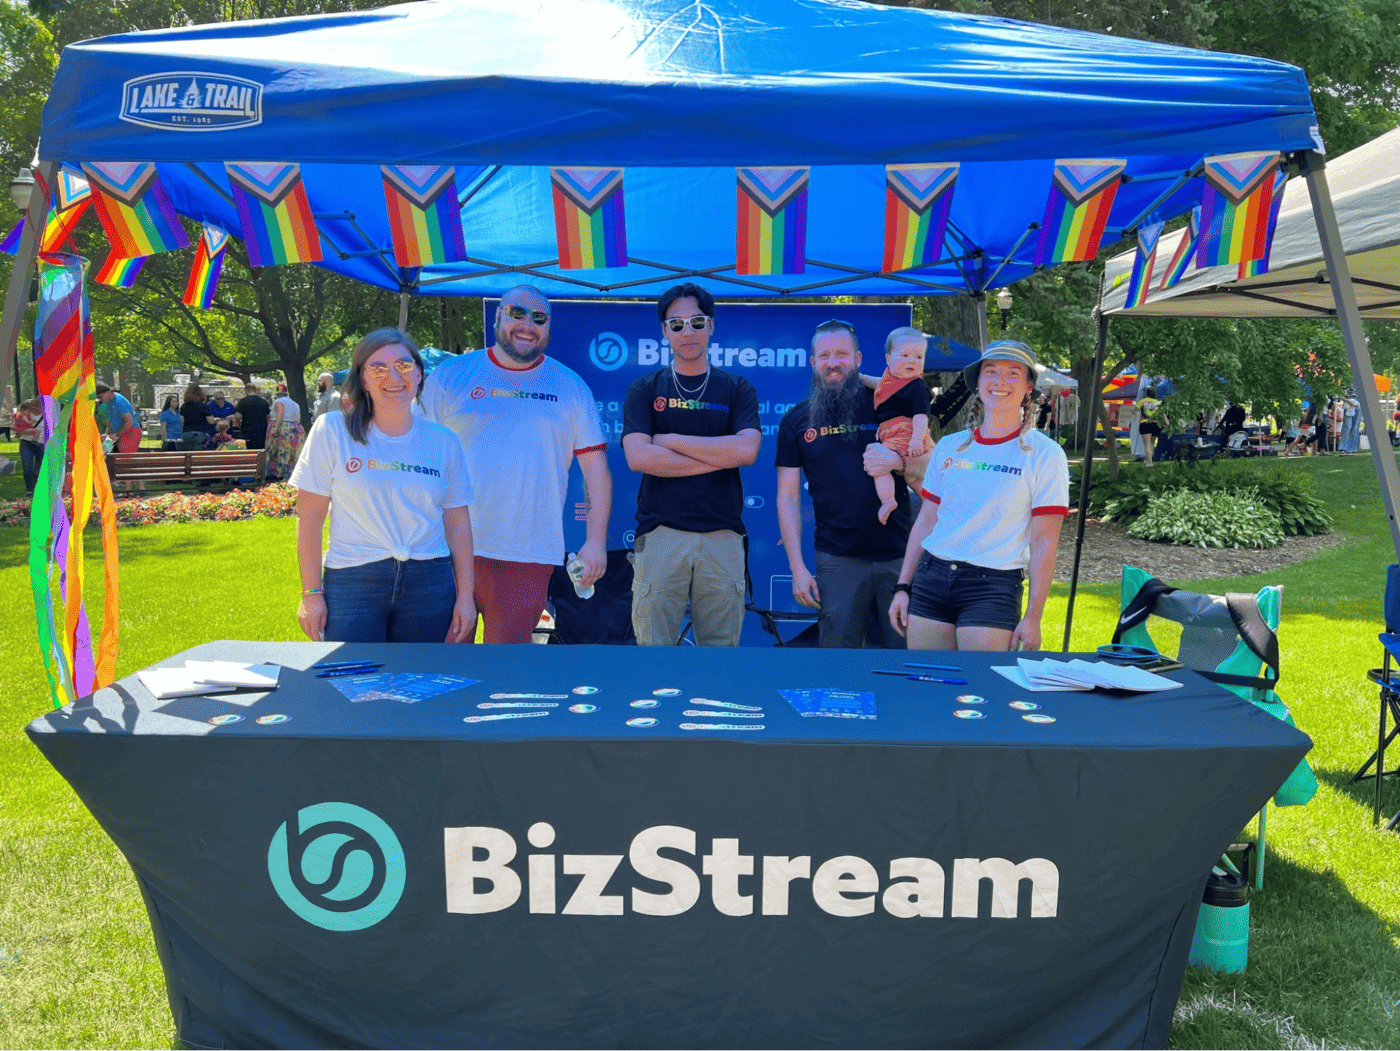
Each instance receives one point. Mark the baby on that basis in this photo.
(901, 405)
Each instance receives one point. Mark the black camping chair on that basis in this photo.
(1388, 680)
(604, 619)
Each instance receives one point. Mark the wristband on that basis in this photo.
(314, 591)
(906, 588)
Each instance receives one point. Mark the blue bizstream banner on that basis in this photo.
(769, 344)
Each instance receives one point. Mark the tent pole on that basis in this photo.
(1084, 481)
(1362, 374)
(981, 321)
(403, 311)
(17, 297)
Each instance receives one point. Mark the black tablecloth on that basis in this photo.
(383, 873)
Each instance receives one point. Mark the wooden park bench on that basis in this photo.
(222, 468)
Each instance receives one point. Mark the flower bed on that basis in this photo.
(276, 500)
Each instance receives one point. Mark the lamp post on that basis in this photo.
(20, 186)
(1004, 306)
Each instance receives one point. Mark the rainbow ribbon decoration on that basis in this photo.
(1185, 250)
(119, 272)
(1141, 281)
(64, 366)
(1081, 196)
(1235, 208)
(917, 200)
(772, 221)
(10, 245)
(590, 222)
(208, 265)
(73, 199)
(72, 189)
(278, 227)
(425, 220)
(134, 208)
(1255, 267)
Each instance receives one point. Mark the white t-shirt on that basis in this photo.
(521, 429)
(387, 496)
(291, 411)
(987, 494)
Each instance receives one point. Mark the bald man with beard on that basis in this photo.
(826, 438)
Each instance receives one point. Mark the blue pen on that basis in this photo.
(917, 677)
(936, 667)
(338, 665)
(336, 673)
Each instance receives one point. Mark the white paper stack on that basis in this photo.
(198, 678)
(1045, 675)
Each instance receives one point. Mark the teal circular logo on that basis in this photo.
(337, 866)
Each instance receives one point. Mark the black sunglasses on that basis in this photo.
(539, 317)
(696, 323)
(836, 323)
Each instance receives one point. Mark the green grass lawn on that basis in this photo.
(78, 968)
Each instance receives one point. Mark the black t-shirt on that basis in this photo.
(843, 495)
(254, 411)
(909, 400)
(195, 415)
(700, 503)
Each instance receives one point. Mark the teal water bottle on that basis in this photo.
(1221, 941)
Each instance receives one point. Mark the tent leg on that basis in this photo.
(1362, 373)
(17, 297)
(403, 311)
(1084, 483)
(982, 322)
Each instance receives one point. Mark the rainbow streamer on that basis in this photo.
(1081, 196)
(1235, 208)
(1185, 250)
(590, 223)
(208, 265)
(772, 221)
(278, 226)
(10, 245)
(119, 272)
(134, 208)
(1141, 281)
(917, 200)
(64, 365)
(425, 220)
(60, 224)
(1255, 267)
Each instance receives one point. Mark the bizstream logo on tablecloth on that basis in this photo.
(337, 866)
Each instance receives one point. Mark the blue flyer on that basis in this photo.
(831, 703)
(405, 688)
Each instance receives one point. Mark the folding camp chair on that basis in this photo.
(1390, 697)
(604, 619)
(1231, 640)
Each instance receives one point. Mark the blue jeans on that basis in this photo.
(31, 457)
(390, 601)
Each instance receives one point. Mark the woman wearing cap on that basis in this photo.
(995, 498)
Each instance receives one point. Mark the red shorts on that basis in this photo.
(510, 597)
(895, 434)
(129, 441)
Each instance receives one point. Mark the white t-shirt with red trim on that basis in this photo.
(988, 493)
(521, 428)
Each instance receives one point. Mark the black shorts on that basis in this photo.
(965, 595)
(1150, 427)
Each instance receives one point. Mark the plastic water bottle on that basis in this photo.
(574, 567)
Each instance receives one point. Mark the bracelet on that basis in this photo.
(908, 589)
(314, 591)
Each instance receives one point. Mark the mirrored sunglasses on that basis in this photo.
(404, 367)
(539, 317)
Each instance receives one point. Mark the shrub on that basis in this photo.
(1224, 518)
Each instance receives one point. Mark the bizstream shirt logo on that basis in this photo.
(813, 433)
(511, 392)
(191, 101)
(662, 404)
(337, 866)
(608, 351)
(979, 465)
(355, 464)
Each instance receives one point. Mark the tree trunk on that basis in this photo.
(1111, 437)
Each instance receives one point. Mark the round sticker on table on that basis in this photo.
(666, 691)
(224, 720)
(585, 689)
(271, 720)
(970, 713)
(1025, 706)
(1038, 718)
(971, 698)
(645, 704)
(641, 722)
(582, 709)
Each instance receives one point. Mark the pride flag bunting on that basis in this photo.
(1185, 250)
(1081, 196)
(1235, 208)
(10, 245)
(208, 264)
(278, 226)
(1255, 267)
(1141, 281)
(917, 200)
(590, 225)
(425, 220)
(71, 189)
(119, 272)
(60, 224)
(134, 208)
(772, 221)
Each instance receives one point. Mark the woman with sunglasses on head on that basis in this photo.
(398, 566)
(995, 497)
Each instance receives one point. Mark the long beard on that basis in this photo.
(835, 406)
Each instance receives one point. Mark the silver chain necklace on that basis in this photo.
(694, 395)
